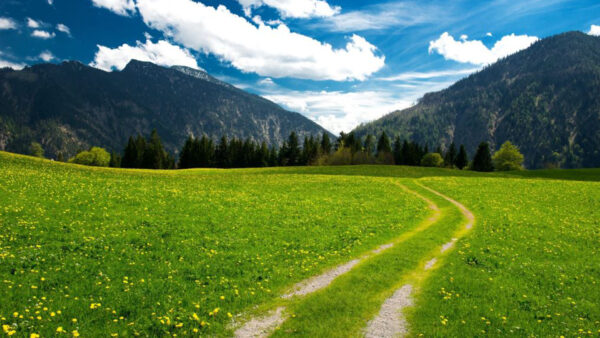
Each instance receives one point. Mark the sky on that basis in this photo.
(340, 63)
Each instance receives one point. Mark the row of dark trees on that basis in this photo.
(203, 152)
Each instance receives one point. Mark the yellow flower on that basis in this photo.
(75, 333)
(34, 335)
(59, 329)
(195, 316)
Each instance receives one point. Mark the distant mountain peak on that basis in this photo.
(200, 74)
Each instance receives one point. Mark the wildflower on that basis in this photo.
(34, 335)
(75, 333)
(60, 329)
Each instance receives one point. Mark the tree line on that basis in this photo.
(347, 149)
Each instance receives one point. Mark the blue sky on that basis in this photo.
(340, 63)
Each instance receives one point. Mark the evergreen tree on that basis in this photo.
(130, 154)
(483, 159)
(450, 157)
(383, 145)
(370, 144)
(325, 144)
(273, 157)
(462, 159)
(398, 159)
(293, 150)
(185, 156)
(115, 160)
(60, 157)
(222, 155)
(154, 155)
(405, 153)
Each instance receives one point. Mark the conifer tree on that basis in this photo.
(450, 157)
(369, 147)
(130, 154)
(398, 151)
(293, 150)
(325, 144)
(383, 145)
(462, 159)
(482, 161)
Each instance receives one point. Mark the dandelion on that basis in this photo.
(60, 329)
(75, 333)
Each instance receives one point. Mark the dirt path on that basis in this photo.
(390, 322)
(263, 326)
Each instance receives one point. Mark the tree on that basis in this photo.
(35, 149)
(450, 157)
(130, 154)
(293, 150)
(60, 157)
(383, 145)
(432, 160)
(483, 159)
(115, 160)
(462, 159)
(326, 144)
(398, 159)
(154, 155)
(370, 144)
(508, 157)
(97, 157)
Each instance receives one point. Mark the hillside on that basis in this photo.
(544, 99)
(71, 106)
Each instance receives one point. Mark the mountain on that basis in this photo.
(69, 106)
(545, 99)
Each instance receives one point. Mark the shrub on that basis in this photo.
(96, 157)
(35, 149)
(508, 157)
(432, 160)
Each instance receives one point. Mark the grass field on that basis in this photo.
(94, 252)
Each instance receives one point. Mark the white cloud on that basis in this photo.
(475, 52)
(293, 8)
(121, 7)
(16, 66)
(428, 75)
(594, 30)
(381, 16)
(464, 37)
(340, 111)
(267, 82)
(32, 23)
(489, 34)
(46, 56)
(42, 34)
(161, 53)
(50, 2)
(7, 23)
(267, 51)
(63, 28)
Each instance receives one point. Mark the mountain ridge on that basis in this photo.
(69, 106)
(542, 99)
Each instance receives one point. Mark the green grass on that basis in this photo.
(157, 247)
(153, 248)
(531, 266)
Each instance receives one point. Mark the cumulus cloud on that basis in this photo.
(594, 30)
(340, 111)
(7, 23)
(475, 52)
(33, 23)
(161, 53)
(293, 8)
(268, 51)
(46, 56)
(50, 2)
(121, 7)
(42, 34)
(63, 28)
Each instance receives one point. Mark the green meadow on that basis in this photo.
(99, 252)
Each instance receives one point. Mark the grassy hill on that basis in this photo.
(100, 251)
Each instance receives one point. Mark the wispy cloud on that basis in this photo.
(380, 17)
(408, 76)
(42, 34)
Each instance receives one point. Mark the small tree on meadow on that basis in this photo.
(35, 149)
(97, 157)
(450, 158)
(432, 160)
(483, 158)
(508, 157)
(462, 159)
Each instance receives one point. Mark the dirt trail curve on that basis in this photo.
(390, 322)
(263, 326)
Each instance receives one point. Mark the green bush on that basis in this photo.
(432, 160)
(97, 157)
(508, 157)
